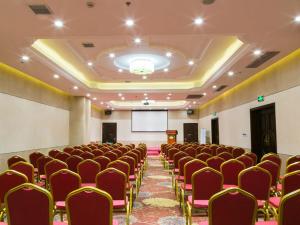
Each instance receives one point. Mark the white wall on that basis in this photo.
(235, 122)
(26, 125)
(95, 129)
(124, 134)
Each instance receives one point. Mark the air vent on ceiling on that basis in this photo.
(127, 81)
(262, 59)
(40, 9)
(220, 88)
(194, 96)
(88, 45)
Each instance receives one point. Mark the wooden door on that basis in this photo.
(215, 131)
(109, 132)
(190, 132)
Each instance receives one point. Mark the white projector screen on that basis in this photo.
(149, 121)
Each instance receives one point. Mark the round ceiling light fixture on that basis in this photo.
(141, 66)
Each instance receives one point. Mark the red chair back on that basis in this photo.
(88, 169)
(248, 162)
(120, 165)
(203, 156)
(86, 149)
(207, 150)
(206, 182)
(131, 163)
(225, 155)
(256, 181)
(289, 209)
(77, 152)
(62, 183)
(272, 157)
(68, 150)
(191, 167)
(236, 152)
(10, 179)
(89, 206)
(118, 153)
(14, 159)
(215, 162)
(230, 170)
(25, 168)
(73, 162)
(273, 169)
(42, 161)
(97, 152)
(290, 182)
(179, 155)
(232, 206)
(62, 156)
(253, 156)
(87, 155)
(113, 182)
(181, 164)
(293, 159)
(221, 150)
(33, 157)
(191, 151)
(111, 155)
(52, 153)
(213, 149)
(29, 204)
(293, 167)
(54, 166)
(103, 161)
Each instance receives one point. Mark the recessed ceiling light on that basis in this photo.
(194, 102)
(112, 55)
(123, 98)
(257, 52)
(129, 22)
(58, 23)
(145, 94)
(214, 87)
(170, 94)
(146, 98)
(120, 70)
(75, 88)
(166, 70)
(112, 108)
(55, 76)
(107, 106)
(165, 108)
(168, 98)
(186, 108)
(204, 94)
(198, 21)
(191, 62)
(230, 73)
(25, 58)
(88, 95)
(137, 40)
(120, 94)
(190, 106)
(94, 98)
(144, 77)
(90, 64)
(169, 54)
(297, 19)
(101, 103)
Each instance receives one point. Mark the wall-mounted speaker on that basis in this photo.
(190, 111)
(107, 112)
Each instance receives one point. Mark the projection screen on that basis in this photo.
(149, 121)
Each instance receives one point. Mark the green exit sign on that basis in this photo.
(260, 98)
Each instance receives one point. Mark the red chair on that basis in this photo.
(112, 156)
(97, 152)
(68, 150)
(203, 156)
(33, 157)
(62, 156)
(83, 203)
(230, 170)
(236, 152)
(14, 159)
(118, 153)
(213, 149)
(207, 150)
(73, 162)
(273, 169)
(114, 182)
(86, 149)
(293, 167)
(52, 153)
(124, 150)
(272, 157)
(25, 168)
(253, 156)
(180, 177)
(88, 170)
(229, 149)
(87, 155)
(42, 161)
(177, 157)
(232, 206)
(29, 204)
(103, 161)
(248, 162)
(221, 150)
(133, 176)
(225, 155)
(77, 152)
(257, 181)
(189, 168)
(205, 183)
(62, 183)
(215, 162)
(292, 159)
(54, 166)
(170, 157)
(191, 151)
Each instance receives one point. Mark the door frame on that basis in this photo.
(215, 119)
(197, 132)
(116, 130)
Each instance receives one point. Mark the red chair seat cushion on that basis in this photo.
(279, 187)
(115, 222)
(1, 223)
(88, 185)
(119, 204)
(132, 177)
(260, 203)
(58, 223)
(43, 177)
(187, 187)
(225, 186)
(198, 203)
(266, 223)
(203, 223)
(176, 170)
(170, 161)
(180, 178)
(274, 201)
(60, 205)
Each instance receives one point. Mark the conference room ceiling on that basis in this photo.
(93, 49)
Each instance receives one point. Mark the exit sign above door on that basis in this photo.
(260, 98)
